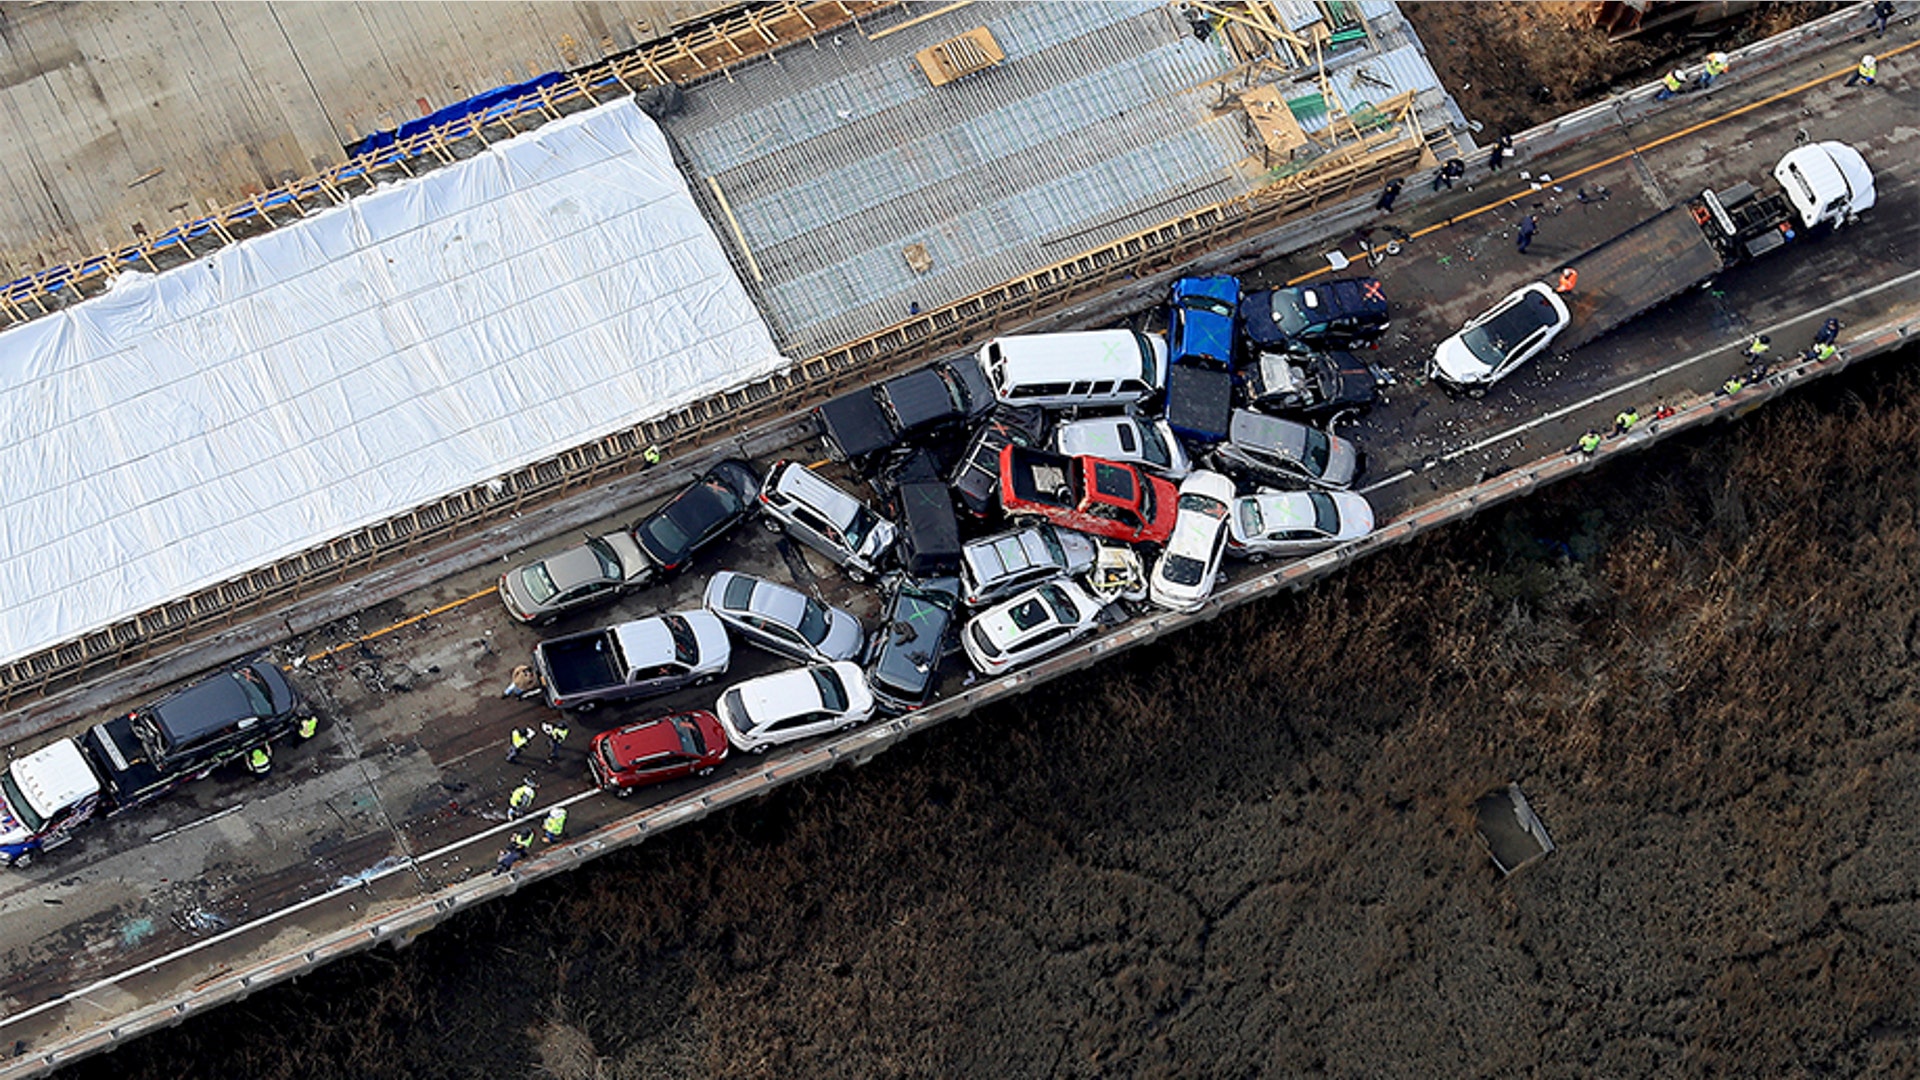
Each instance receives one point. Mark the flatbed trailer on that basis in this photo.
(1647, 265)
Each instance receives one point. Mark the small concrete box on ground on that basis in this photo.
(1514, 834)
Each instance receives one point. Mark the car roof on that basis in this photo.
(919, 397)
(575, 566)
(1347, 295)
(804, 484)
(645, 642)
(783, 693)
(644, 740)
(212, 704)
(768, 598)
(1249, 428)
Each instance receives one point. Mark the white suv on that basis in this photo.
(826, 519)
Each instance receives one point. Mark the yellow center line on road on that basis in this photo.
(1625, 154)
(408, 621)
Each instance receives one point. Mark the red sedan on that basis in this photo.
(653, 751)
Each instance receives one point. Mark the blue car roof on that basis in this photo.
(1197, 332)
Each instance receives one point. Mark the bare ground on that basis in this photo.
(1251, 853)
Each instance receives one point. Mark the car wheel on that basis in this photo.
(585, 707)
(772, 526)
(858, 577)
(704, 680)
(1477, 392)
(848, 726)
(622, 792)
(708, 771)
(761, 749)
(22, 860)
(1256, 557)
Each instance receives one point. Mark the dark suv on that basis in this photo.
(187, 734)
(903, 654)
(1345, 314)
(867, 421)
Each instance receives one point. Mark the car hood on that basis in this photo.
(844, 636)
(1455, 363)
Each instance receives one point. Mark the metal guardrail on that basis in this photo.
(903, 345)
(402, 921)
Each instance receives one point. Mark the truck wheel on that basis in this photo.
(772, 526)
(585, 707)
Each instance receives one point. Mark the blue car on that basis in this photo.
(1201, 321)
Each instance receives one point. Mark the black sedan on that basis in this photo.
(976, 480)
(696, 517)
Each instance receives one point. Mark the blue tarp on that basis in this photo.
(479, 103)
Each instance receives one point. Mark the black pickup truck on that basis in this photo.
(861, 424)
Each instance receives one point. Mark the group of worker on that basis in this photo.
(520, 738)
(553, 828)
(259, 760)
(1675, 81)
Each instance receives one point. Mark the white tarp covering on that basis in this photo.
(187, 427)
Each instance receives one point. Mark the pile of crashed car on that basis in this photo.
(1022, 498)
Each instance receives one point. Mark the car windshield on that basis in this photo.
(1063, 609)
(735, 707)
(1250, 519)
(607, 757)
(17, 799)
(686, 647)
(859, 527)
(1493, 341)
(1206, 505)
(1207, 303)
(983, 639)
(1326, 516)
(813, 621)
(1054, 549)
(690, 738)
(738, 593)
(609, 562)
(1315, 453)
(538, 582)
(1184, 570)
(1153, 448)
(833, 693)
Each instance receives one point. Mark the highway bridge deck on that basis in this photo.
(391, 817)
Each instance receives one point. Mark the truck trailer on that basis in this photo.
(1820, 186)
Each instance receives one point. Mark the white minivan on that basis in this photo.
(1086, 368)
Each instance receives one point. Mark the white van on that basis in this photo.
(1079, 369)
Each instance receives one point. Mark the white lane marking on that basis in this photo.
(529, 818)
(1545, 418)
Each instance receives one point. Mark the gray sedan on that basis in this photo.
(783, 620)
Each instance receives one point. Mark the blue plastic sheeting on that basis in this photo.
(478, 103)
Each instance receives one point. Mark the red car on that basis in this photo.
(1109, 499)
(664, 748)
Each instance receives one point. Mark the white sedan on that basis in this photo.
(1029, 626)
(1184, 576)
(1288, 523)
(762, 713)
(1125, 438)
(1490, 347)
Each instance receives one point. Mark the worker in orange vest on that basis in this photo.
(1569, 277)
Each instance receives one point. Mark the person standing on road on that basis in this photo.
(1882, 11)
(1392, 192)
(1501, 148)
(1865, 72)
(525, 684)
(1717, 65)
(1670, 84)
(517, 740)
(521, 800)
(1528, 227)
(556, 732)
